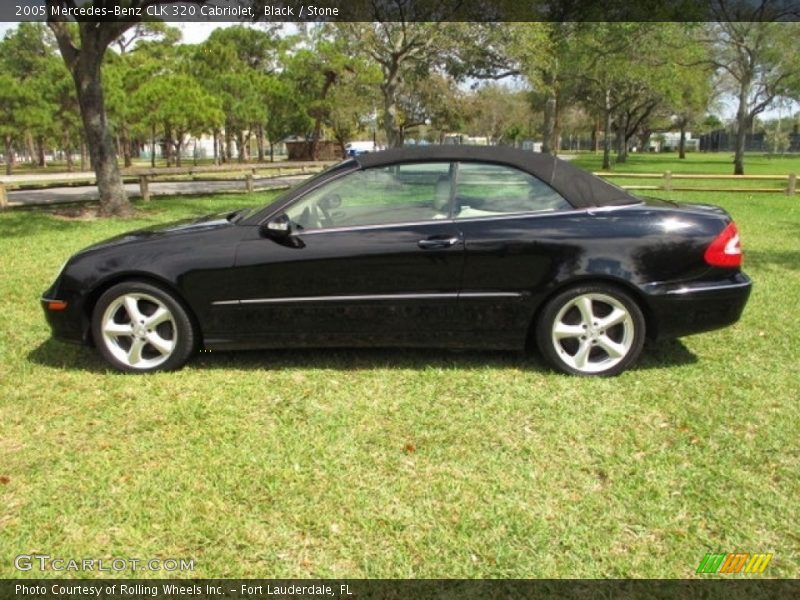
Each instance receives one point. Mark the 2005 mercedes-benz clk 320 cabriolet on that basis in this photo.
(447, 246)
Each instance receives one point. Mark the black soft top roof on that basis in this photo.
(580, 187)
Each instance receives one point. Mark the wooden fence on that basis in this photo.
(246, 172)
(668, 182)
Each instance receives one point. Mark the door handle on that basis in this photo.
(430, 244)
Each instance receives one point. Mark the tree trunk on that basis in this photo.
(240, 146)
(607, 132)
(31, 149)
(549, 116)
(178, 148)
(83, 154)
(228, 145)
(9, 155)
(125, 144)
(682, 142)
(67, 150)
(557, 126)
(260, 141)
(113, 200)
(741, 128)
(620, 142)
(153, 146)
(393, 135)
(41, 159)
(645, 140)
(271, 152)
(216, 149)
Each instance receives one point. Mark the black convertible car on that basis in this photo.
(445, 246)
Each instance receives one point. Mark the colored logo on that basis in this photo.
(735, 562)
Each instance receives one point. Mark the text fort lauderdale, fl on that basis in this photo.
(140, 590)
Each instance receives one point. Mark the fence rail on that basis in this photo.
(246, 172)
(668, 182)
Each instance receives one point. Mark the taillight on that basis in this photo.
(725, 250)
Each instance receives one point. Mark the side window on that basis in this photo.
(487, 190)
(397, 194)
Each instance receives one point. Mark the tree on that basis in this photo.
(405, 51)
(175, 106)
(144, 52)
(286, 113)
(546, 54)
(83, 47)
(25, 103)
(609, 73)
(14, 97)
(757, 59)
(232, 64)
(498, 113)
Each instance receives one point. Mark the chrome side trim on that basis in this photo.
(431, 296)
(709, 288)
(292, 300)
(489, 295)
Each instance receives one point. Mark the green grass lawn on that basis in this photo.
(389, 463)
(695, 162)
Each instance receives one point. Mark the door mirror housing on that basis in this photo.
(278, 227)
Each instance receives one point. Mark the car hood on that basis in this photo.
(175, 228)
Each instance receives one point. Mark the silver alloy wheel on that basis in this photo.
(139, 330)
(593, 332)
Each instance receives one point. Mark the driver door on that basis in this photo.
(373, 257)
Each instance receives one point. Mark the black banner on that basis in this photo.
(401, 10)
(395, 589)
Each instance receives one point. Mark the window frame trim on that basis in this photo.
(452, 169)
(570, 207)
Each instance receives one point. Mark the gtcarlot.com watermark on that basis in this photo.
(45, 562)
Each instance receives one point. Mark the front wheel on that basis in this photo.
(139, 327)
(591, 330)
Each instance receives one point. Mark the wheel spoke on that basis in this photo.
(611, 347)
(115, 329)
(616, 317)
(564, 330)
(581, 357)
(135, 351)
(160, 316)
(132, 307)
(584, 304)
(159, 343)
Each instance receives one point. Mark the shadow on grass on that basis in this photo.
(786, 259)
(656, 355)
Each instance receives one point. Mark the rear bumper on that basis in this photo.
(684, 309)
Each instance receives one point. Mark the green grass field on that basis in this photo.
(720, 163)
(401, 464)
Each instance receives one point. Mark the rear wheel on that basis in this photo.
(593, 329)
(139, 327)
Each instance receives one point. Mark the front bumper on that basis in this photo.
(679, 310)
(68, 324)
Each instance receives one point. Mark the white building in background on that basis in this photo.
(669, 142)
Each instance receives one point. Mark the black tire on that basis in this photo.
(605, 344)
(161, 337)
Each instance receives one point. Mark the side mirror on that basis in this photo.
(279, 227)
